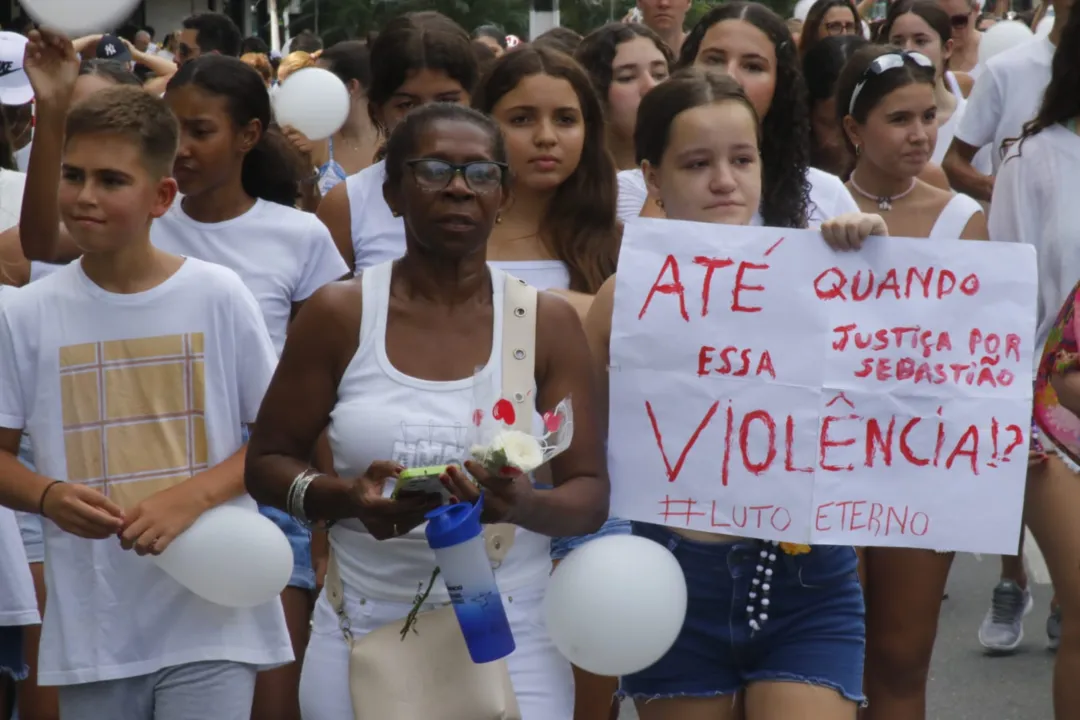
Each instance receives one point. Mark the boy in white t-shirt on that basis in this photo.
(134, 371)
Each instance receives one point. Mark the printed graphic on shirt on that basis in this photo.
(430, 444)
(134, 414)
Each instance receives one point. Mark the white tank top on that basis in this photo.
(377, 236)
(946, 132)
(954, 217)
(383, 414)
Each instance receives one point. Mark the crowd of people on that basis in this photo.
(199, 307)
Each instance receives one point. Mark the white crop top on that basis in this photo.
(383, 414)
(954, 217)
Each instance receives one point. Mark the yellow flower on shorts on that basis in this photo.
(794, 548)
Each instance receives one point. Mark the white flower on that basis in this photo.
(510, 448)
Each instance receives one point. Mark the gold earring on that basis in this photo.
(659, 203)
(498, 218)
(395, 213)
(858, 150)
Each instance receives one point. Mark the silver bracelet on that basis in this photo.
(294, 502)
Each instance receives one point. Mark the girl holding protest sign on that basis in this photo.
(700, 140)
(888, 111)
(749, 42)
(752, 44)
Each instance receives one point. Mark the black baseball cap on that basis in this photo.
(110, 47)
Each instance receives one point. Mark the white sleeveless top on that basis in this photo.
(383, 414)
(541, 274)
(946, 132)
(377, 236)
(954, 217)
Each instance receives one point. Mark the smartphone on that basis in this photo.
(421, 481)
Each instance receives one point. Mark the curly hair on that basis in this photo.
(785, 151)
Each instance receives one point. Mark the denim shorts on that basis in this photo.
(561, 547)
(815, 634)
(303, 574)
(30, 524)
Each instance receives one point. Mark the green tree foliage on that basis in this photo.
(344, 19)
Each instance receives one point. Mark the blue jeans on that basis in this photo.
(815, 634)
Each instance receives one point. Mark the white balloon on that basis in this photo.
(616, 605)
(314, 101)
(1002, 36)
(802, 9)
(231, 556)
(76, 18)
(1045, 25)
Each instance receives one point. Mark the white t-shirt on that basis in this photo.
(282, 254)
(135, 394)
(377, 235)
(1007, 95)
(18, 605)
(828, 197)
(1035, 202)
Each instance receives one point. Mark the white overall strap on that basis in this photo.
(335, 595)
(518, 380)
(518, 351)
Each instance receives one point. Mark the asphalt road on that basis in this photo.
(965, 684)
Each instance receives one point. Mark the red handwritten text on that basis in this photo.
(872, 517)
(735, 362)
(894, 283)
(668, 282)
(760, 442)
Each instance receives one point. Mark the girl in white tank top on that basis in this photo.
(891, 123)
(559, 232)
(922, 26)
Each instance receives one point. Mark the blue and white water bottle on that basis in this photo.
(455, 535)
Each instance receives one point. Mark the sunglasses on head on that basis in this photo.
(885, 63)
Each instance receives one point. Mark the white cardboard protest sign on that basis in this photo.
(765, 386)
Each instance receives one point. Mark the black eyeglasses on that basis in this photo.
(959, 22)
(481, 176)
(885, 63)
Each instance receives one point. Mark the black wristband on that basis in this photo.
(45, 494)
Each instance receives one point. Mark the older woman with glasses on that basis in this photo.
(829, 18)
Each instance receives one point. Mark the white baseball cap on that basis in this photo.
(15, 88)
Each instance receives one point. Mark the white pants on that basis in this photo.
(542, 678)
